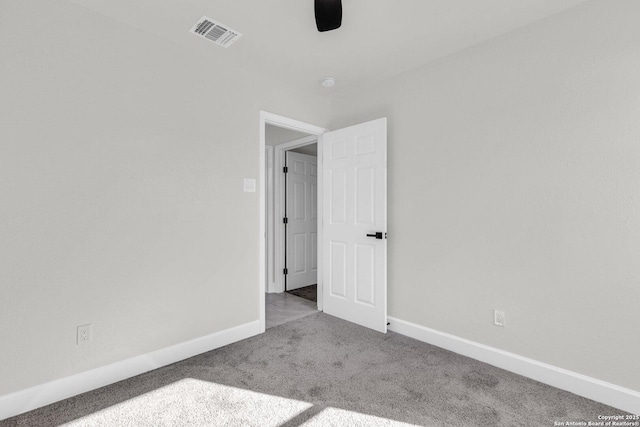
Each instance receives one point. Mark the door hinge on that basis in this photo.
(285, 271)
(285, 220)
(285, 169)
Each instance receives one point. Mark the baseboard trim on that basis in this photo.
(44, 394)
(582, 385)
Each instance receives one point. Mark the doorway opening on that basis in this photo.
(352, 196)
(290, 219)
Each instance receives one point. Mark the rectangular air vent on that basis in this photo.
(216, 32)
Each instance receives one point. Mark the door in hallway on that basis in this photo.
(302, 220)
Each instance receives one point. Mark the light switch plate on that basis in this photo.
(249, 185)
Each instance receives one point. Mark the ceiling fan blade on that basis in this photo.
(328, 14)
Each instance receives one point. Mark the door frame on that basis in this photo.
(269, 218)
(296, 125)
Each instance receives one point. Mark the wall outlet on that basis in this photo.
(498, 318)
(84, 334)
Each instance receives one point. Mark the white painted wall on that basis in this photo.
(122, 161)
(514, 183)
(275, 135)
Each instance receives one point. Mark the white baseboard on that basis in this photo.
(582, 385)
(44, 394)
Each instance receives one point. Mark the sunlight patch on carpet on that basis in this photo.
(196, 402)
(341, 417)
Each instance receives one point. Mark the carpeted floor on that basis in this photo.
(307, 292)
(318, 371)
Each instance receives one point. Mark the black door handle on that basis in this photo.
(377, 235)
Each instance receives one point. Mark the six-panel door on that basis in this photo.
(354, 206)
(302, 216)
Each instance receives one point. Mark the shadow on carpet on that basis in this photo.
(307, 292)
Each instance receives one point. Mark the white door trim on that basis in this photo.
(287, 123)
(270, 267)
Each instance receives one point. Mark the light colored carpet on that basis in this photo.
(319, 371)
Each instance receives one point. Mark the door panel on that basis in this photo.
(354, 205)
(338, 269)
(300, 252)
(365, 284)
(298, 201)
(302, 226)
(337, 201)
(365, 193)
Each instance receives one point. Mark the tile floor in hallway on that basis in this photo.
(283, 307)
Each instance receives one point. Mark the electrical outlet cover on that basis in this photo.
(498, 318)
(84, 334)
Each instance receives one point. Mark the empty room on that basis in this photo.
(319, 212)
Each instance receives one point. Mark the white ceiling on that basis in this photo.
(378, 38)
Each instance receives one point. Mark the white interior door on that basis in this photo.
(355, 224)
(302, 220)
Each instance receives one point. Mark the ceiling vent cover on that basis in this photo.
(218, 33)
